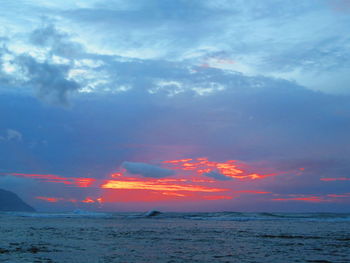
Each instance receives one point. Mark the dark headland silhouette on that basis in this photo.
(9, 201)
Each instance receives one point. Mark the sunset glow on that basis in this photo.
(202, 166)
(195, 179)
(140, 185)
(78, 182)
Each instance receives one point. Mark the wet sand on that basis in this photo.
(25, 239)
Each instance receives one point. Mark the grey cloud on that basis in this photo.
(50, 80)
(46, 36)
(134, 73)
(223, 25)
(245, 30)
(158, 76)
(327, 55)
(147, 170)
(217, 176)
(58, 42)
(4, 78)
(146, 13)
(149, 24)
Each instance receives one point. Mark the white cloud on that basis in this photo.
(13, 135)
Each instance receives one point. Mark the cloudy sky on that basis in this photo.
(235, 105)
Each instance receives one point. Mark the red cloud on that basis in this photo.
(49, 199)
(202, 166)
(79, 182)
(189, 181)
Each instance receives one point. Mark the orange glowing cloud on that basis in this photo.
(84, 182)
(189, 179)
(173, 194)
(144, 185)
(191, 182)
(114, 175)
(202, 166)
(71, 200)
(88, 200)
(49, 199)
(136, 195)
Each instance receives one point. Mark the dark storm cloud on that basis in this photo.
(147, 170)
(48, 79)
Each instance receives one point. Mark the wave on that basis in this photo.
(239, 216)
(236, 216)
(209, 216)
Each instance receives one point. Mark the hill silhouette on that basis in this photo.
(9, 201)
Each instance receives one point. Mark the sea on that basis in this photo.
(211, 216)
(171, 237)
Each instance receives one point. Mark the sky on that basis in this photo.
(221, 105)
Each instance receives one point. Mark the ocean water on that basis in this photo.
(83, 236)
(212, 216)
